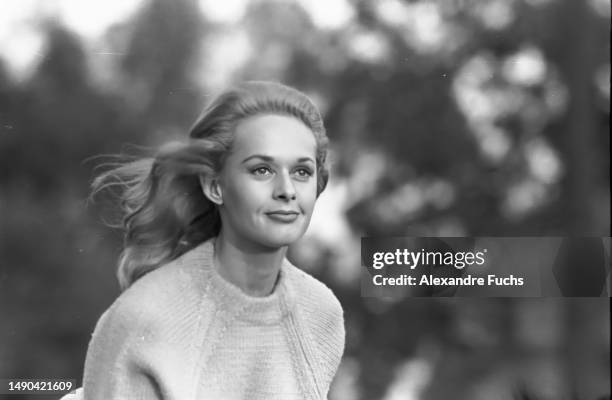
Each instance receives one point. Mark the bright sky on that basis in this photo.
(21, 42)
(328, 14)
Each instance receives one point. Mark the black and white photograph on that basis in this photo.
(305, 200)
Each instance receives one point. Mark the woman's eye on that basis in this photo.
(303, 172)
(261, 171)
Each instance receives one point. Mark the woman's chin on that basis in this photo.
(278, 242)
(280, 239)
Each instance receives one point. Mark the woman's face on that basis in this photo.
(269, 183)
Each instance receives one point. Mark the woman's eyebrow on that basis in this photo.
(271, 159)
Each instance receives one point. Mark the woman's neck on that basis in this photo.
(254, 270)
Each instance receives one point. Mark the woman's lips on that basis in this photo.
(283, 216)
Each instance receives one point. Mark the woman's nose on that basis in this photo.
(284, 188)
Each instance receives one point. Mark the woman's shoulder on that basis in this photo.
(159, 295)
(323, 318)
(313, 295)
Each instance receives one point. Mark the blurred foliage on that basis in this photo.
(447, 118)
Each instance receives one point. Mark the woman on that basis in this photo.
(211, 308)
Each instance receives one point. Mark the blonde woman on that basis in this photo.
(211, 308)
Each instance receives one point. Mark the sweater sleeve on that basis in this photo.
(116, 366)
(324, 322)
(330, 333)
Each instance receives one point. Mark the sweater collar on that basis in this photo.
(230, 298)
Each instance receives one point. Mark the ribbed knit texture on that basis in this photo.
(183, 332)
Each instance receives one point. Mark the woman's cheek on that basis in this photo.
(310, 198)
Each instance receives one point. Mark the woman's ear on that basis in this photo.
(212, 189)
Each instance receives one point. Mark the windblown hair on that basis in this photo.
(164, 210)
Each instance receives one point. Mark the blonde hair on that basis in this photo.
(164, 211)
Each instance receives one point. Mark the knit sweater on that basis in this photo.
(183, 332)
